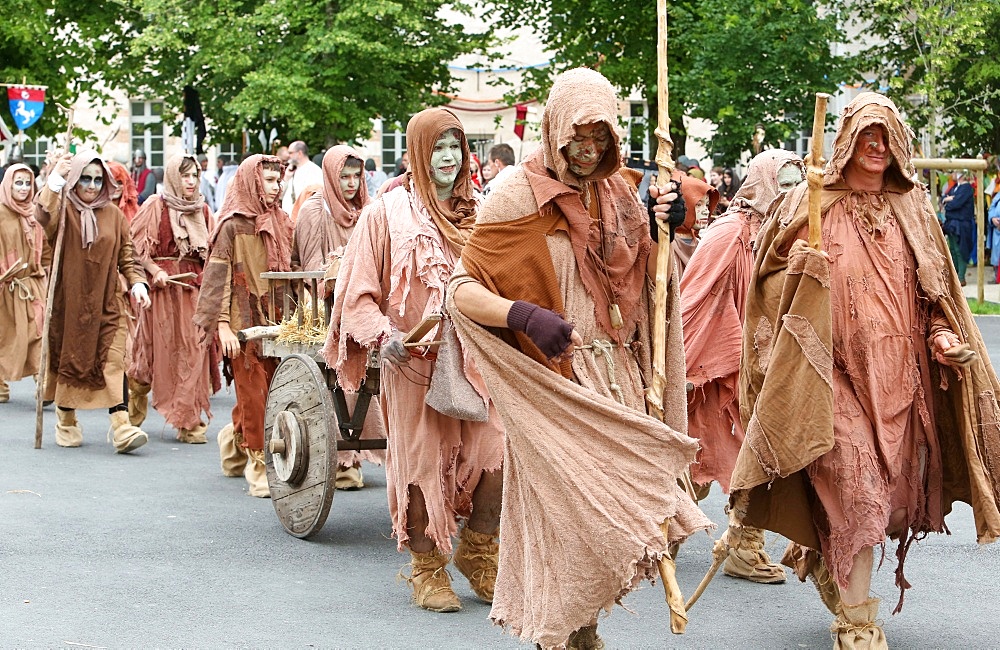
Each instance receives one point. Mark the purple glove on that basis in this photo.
(545, 328)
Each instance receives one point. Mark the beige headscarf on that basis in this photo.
(88, 220)
(187, 216)
(32, 229)
(344, 212)
(760, 187)
(865, 110)
(455, 219)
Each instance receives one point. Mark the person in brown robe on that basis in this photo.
(713, 301)
(700, 199)
(867, 396)
(559, 270)
(169, 355)
(253, 236)
(440, 469)
(89, 314)
(23, 260)
(324, 226)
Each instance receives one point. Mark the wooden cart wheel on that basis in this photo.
(300, 445)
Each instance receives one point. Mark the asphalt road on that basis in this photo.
(159, 550)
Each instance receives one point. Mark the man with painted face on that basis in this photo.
(866, 393)
(439, 469)
(89, 323)
(324, 226)
(22, 267)
(169, 357)
(713, 299)
(553, 301)
(253, 235)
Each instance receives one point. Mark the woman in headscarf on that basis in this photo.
(558, 269)
(700, 199)
(713, 300)
(253, 236)
(169, 357)
(325, 224)
(440, 470)
(124, 195)
(23, 259)
(89, 314)
(474, 171)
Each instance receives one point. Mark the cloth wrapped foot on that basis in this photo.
(586, 638)
(138, 401)
(68, 431)
(855, 627)
(232, 457)
(476, 557)
(808, 563)
(750, 562)
(125, 436)
(255, 473)
(195, 436)
(431, 582)
(4, 392)
(349, 478)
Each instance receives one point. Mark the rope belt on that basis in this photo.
(603, 348)
(24, 292)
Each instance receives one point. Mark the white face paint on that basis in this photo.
(21, 186)
(585, 151)
(701, 213)
(789, 176)
(446, 160)
(350, 180)
(91, 182)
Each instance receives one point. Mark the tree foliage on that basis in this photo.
(940, 60)
(738, 63)
(321, 70)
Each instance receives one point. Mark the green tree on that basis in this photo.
(738, 63)
(940, 60)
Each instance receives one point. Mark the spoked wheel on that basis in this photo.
(300, 448)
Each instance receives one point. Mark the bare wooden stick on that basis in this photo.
(815, 173)
(43, 361)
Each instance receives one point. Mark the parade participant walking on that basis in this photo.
(23, 253)
(142, 176)
(253, 235)
(700, 198)
(125, 195)
(869, 414)
(325, 224)
(86, 366)
(169, 353)
(713, 301)
(439, 469)
(562, 256)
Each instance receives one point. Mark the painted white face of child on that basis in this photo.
(91, 182)
(446, 160)
(21, 187)
(350, 181)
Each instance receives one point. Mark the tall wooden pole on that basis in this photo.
(654, 395)
(814, 173)
(43, 362)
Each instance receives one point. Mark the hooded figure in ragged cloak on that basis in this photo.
(867, 396)
(713, 304)
(588, 477)
(440, 469)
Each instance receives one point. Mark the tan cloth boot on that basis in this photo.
(195, 436)
(808, 563)
(138, 402)
(349, 478)
(255, 473)
(68, 431)
(431, 582)
(586, 638)
(4, 392)
(855, 627)
(750, 562)
(232, 457)
(126, 436)
(476, 558)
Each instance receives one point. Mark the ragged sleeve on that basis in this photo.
(216, 285)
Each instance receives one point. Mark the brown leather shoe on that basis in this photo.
(431, 582)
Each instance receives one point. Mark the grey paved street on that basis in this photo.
(159, 550)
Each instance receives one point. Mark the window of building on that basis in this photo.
(35, 150)
(638, 136)
(148, 131)
(230, 151)
(393, 146)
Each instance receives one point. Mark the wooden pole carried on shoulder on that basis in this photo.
(814, 173)
(654, 394)
(43, 362)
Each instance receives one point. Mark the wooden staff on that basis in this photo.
(654, 395)
(815, 173)
(43, 361)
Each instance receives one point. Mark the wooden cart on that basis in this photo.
(307, 419)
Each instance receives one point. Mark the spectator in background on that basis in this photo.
(374, 177)
(142, 176)
(501, 161)
(227, 169)
(206, 185)
(487, 173)
(474, 171)
(960, 222)
(402, 164)
(300, 174)
(282, 154)
(730, 186)
(994, 220)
